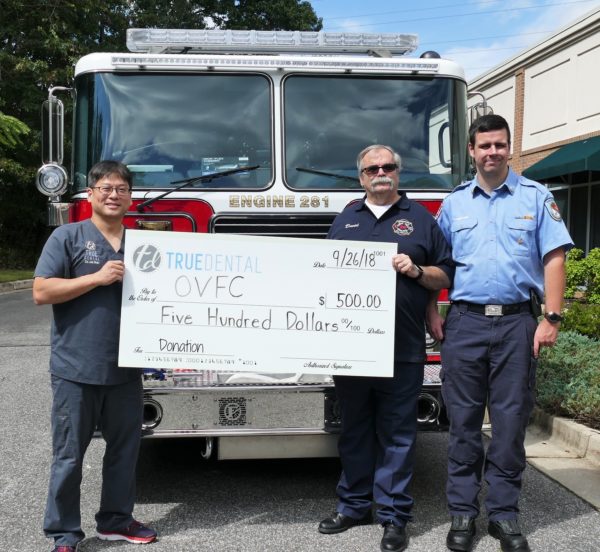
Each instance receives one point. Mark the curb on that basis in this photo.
(582, 440)
(16, 285)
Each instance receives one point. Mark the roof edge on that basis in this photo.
(583, 26)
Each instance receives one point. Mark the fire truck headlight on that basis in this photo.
(51, 180)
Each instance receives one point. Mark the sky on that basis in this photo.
(478, 34)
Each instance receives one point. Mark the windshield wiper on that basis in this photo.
(325, 173)
(193, 180)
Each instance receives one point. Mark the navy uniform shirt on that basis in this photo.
(412, 227)
(85, 330)
(499, 240)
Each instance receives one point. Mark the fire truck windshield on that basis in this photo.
(172, 126)
(169, 127)
(329, 119)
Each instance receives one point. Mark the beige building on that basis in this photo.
(550, 95)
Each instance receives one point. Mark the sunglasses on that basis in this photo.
(373, 170)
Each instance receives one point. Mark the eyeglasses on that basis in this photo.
(107, 190)
(373, 170)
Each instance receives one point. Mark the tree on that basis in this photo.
(11, 130)
(39, 45)
(171, 14)
(270, 15)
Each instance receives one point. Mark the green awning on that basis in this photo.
(583, 155)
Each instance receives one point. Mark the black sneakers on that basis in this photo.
(135, 533)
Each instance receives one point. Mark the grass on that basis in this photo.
(12, 275)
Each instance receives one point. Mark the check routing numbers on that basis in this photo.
(260, 304)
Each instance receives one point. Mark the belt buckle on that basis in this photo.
(493, 310)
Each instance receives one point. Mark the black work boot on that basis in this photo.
(338, 523)
(461, 534)
(394, 538)
(508, 533)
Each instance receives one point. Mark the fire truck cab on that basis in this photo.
(256, 132)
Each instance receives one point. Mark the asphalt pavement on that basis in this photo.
(244, 505)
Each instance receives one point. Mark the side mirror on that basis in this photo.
(52, 179)
(53, 120)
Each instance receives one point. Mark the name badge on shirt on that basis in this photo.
(91, 255)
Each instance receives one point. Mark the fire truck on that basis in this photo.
(255, 132)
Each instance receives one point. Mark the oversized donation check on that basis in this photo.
(260, 304)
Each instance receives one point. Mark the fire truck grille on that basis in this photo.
(232, 411)
(289, 226)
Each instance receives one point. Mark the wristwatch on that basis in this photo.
(420, 272)
(553, 317)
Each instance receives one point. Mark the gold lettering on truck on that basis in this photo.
(259, 201)
(245, 201)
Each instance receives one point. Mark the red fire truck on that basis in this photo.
(256, 132)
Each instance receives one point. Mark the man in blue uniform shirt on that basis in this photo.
(379, 415)
(508, 243)
(80, 273)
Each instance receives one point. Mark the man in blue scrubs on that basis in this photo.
(508, 243)
(80, 273)
(379, 415)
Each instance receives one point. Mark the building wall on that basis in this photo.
(562, 98)
(550, 94)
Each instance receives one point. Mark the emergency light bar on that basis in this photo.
(177, 41)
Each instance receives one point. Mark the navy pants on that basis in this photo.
(487, 360)
(376, 444)
(77, 409)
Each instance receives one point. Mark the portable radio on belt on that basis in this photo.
(535, 303)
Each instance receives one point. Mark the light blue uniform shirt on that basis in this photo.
(499, 240)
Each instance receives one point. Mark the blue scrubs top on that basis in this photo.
(412, 227)
(85, 330)
(499, 240)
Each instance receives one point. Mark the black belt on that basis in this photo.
(495, 310)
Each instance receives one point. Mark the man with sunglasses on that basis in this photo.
(80, 273)
(379, 415)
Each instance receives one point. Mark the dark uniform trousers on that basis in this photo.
(376, 445)
(487, 360)
(76, 411)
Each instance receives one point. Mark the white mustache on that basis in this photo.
(382, 180)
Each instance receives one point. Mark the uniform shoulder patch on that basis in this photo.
(552, 209)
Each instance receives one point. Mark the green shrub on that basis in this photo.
(583, 273)
(583, 395)
(582, 318)
(568, 378)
